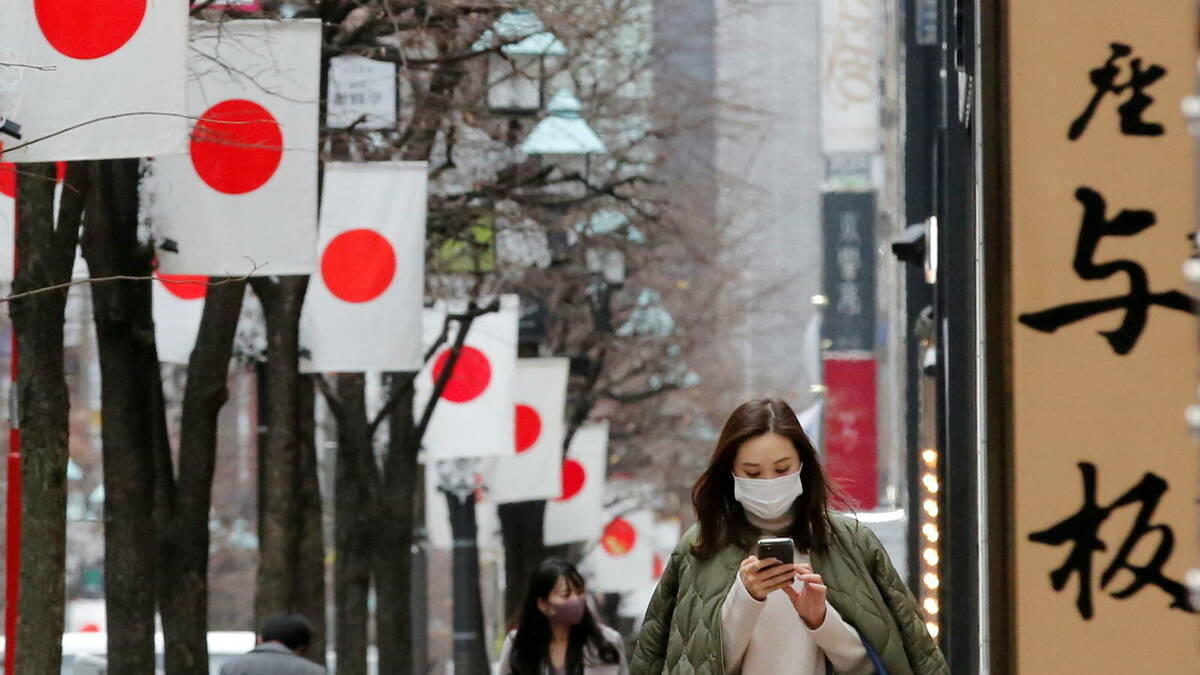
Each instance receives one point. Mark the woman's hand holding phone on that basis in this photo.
(809, 601)
(762, 577)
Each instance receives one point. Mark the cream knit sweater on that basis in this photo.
(769, 638)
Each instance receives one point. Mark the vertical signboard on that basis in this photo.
(850, 82)
(1103, 349)
(848, 331)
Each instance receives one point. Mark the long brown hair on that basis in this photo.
(722, 521)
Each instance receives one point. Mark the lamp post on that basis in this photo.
(456, 480)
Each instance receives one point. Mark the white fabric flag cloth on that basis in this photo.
(535, 472)
(178, 303)
(363, 308)
(437, 514)
(474, 417)
(247, 189)
(623, 560)
(576, 514)
(90, 73)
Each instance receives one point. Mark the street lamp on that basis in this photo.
(518, 74)
(563, 131)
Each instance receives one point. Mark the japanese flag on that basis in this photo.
(576, 514)
(474, 417)
(535, 471)
(363, 309)
(246, 192)
(178, 303)
(92, 71)
(623, 560)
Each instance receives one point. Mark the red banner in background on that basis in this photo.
(851, 431)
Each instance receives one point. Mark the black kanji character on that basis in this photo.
(1083, 531)
(1104, 79)
(1136, 303)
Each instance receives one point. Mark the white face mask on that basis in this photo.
(768, 498)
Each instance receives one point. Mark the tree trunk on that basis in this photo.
(353, 520)
(308, 582)
(185, 504)
(128, 374)
(394, 536)
(46, 254)
(521, 530)
(280, 459)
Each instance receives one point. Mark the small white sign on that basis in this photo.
(361, 90)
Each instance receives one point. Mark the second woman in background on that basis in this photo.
(556, 634)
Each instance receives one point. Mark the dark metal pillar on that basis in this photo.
(470, 653)
(921, 61)
(956, 306)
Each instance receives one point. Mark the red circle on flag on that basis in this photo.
(358, 265)
(81, 29)
(619, 537)
(236, 146)
(185, 286)
(573, 478)
(471, 376)
(529, 427)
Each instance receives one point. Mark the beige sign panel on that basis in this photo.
(1104, 355)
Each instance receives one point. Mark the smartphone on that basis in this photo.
(779, 548)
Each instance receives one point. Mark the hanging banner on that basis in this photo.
(1101, 201)
(363, 309)
(94, 88)
(474, 417)
(535, 471)
(850, 83)
(850, 439)
(848, 272)
(576, 514)
(623, 560)
(178, 303)
(245, 196)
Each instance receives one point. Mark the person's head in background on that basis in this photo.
(290, 630)
(765, 468)
(555, 607)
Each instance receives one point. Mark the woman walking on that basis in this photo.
(826, 601)
(556, 634)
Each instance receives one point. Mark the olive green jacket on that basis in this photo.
(681, 634)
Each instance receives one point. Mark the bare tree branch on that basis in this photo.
(123, 277)
(27, 65)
